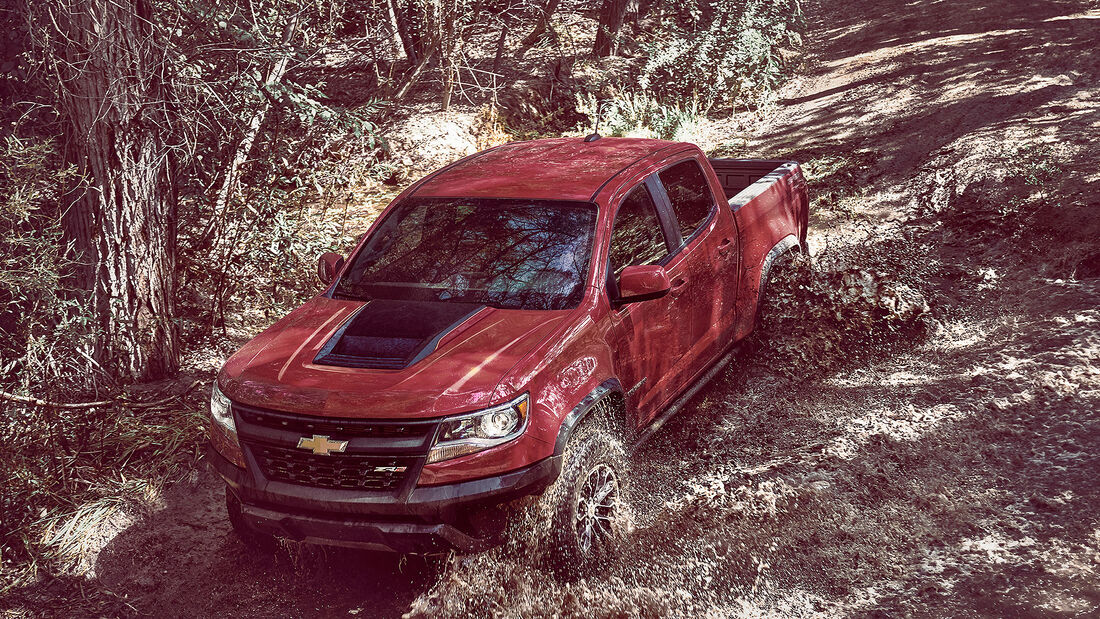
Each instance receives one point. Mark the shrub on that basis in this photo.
(41, 329)
(730, 51)
(638, 115)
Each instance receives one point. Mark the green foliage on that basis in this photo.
(226, 54)
(30, 178)
(281, 209)
(1030, 170)
(699, 56)
(726, 53)
(314, 112)
(1037, 165)
(285, 212)
(638, 115)
(273, 238)
(41, 328)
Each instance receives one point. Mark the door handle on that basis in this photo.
(678, 283)
(724, 247)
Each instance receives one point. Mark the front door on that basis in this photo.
(645, 337)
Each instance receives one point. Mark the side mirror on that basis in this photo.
(328, 266)
(642, 283)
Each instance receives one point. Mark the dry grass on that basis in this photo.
(105, 469)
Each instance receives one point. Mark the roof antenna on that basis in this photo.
(595, 135)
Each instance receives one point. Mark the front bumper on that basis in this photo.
(425, 519)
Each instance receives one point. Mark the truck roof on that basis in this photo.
(551, 169)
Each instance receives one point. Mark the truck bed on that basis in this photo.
(744, 179)
(769, 201)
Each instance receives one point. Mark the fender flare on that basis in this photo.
(804, 224)
(784, 245)
(580, 411)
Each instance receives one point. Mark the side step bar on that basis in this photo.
(681, 401)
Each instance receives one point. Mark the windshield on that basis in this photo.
(528, 254)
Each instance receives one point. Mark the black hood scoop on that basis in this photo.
(388, 334)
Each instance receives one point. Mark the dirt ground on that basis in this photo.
(946, 473)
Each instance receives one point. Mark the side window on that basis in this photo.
(689, 194)
(636, 237)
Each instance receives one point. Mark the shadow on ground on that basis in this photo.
(954, 479)
(907, 81)
(183, 560)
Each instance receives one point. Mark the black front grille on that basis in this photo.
(379, 455)
(366, 428)
(339, 471)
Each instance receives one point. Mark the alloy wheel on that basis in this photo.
(597, 507)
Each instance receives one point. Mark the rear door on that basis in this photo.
(703, 268)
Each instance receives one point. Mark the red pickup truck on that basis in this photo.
(501, 330)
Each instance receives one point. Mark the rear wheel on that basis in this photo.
(248, 534)
(587, 502)
(780, 268)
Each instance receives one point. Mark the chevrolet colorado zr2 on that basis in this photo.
(459, 357)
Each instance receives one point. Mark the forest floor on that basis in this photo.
(947, 474)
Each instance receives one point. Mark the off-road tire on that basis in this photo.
(249, 535)
(586, 525)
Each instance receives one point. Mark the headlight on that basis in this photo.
(466, 434)
(219, 409)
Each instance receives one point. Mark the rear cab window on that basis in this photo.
(689, 194)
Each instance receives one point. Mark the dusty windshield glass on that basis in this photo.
(530, 254)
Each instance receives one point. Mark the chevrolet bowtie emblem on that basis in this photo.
(321, 445)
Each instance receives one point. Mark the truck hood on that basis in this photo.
(455, 365)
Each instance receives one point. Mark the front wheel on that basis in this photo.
(588, 503)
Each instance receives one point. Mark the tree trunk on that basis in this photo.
(542, 26)
(448, 83)
(447, 40)
(633, 12)
(123, 228)
(411, 29)
(411, 80)
(611, 22)
(501, 39)
(395, 27)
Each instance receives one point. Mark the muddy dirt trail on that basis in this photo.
(925, 443)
